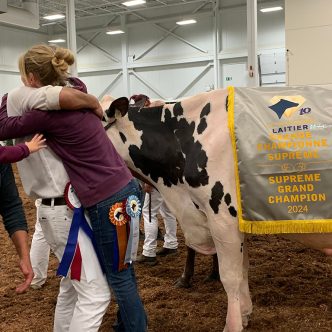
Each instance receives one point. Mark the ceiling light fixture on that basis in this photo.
(57, 40)
(133, 3)
(54, 17)
(270, 9)
(185, 22)
(114, 32)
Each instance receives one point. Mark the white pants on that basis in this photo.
(39, 255)
(81, 305)
(151, 228)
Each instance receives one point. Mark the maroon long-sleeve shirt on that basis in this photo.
(12, 154)
(94, 167)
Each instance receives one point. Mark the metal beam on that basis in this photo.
(124, 55)
(71, 33)
(110, 85)
(191, 84)
(252, 42)
(216, 49)
(140, 78)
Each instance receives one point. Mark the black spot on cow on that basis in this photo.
(196, 206)
(168, 150)
(232, 211)
(123, 137)
(177, 109)
(228, 199)
(202, 126)
(217, 193)
(206, 110)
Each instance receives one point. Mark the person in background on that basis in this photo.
(154, 203)
(13, 216)
(13, 154)
(11, 209)
(101, 179)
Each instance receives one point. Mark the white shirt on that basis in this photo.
(42, 173)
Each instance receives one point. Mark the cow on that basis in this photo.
(185, 151)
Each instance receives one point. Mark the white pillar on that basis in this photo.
(216, 63)
(71, 33)
(252, 42)
(124, 61)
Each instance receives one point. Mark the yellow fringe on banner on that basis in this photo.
(268, 226)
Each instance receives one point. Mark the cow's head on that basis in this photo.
(119, 105)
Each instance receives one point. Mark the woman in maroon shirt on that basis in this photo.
(98, 174)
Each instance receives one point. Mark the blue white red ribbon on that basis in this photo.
(133, 209)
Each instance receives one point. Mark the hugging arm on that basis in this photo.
(18, 126)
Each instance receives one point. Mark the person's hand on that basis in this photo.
(147, 188)
(98, 111)
(26, 268)
(36, 143)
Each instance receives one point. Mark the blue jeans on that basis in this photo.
(131, 316)
(11, 208)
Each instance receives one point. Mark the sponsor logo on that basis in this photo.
(287, 105)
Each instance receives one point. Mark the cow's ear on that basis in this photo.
(121, 104)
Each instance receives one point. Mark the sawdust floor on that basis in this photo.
(291, 288)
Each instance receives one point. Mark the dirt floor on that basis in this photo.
(291, 288)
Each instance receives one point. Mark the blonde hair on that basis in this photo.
(48, 63)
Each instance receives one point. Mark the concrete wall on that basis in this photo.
(308, 26)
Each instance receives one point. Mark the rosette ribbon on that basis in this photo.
(72, 258)
(133, 209)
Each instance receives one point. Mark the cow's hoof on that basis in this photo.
(212, 277)
(182, 283)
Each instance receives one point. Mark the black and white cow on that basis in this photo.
(185, 151)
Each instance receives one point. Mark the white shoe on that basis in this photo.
(34, 286)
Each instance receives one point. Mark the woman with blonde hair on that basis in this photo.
(102, 181)
(83, 296)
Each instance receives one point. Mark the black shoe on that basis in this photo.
(166, 252)
(141, 259)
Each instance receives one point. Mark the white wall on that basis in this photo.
(176, 68)
(308, 28)
(179, 65)
(13, 43)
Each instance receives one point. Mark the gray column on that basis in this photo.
(71, 33)
(252, 42)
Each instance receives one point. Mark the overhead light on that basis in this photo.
(133, 3)
(54, 17)
(57, 40)
(271, 9)
(114, 32)
(185, 22)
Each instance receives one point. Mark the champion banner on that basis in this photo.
(282, 140)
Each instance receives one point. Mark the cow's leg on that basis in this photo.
(246, 304)
(214, 274)
(184, 280)
(229, 245)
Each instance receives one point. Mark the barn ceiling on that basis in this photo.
(101, 10)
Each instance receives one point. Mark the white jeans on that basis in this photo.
(81, 305)
(151, 228)
(39, 255)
